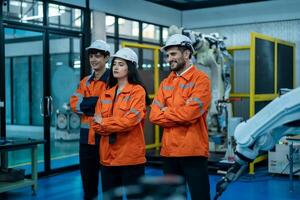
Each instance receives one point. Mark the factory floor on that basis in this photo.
(261, 186)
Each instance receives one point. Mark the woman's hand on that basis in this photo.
(97, 118)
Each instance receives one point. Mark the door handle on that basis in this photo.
(50, 106)
(42, 107)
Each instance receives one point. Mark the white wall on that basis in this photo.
(98, 26)
(279, 19)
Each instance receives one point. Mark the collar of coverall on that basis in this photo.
(103, 78)
(126, 89)
(186, 74)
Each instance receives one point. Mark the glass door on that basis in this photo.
(24, 92)
(40, 71)
(64, 78)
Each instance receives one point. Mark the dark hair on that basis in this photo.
(133, 77)
(182, 49)
(95, 51)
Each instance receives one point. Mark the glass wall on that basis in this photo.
(24, 90)
(8, 91)
(65, 17)
(26, 11)
(24, 94)
(165, 34)
(151, 33)
(110, 25)
(64, 75)
(128, 28)
(31, 78)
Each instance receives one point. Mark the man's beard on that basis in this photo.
(180, 65)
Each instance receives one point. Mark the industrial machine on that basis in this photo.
(261, 132)
(67, 124)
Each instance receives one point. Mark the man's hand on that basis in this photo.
(97, 118)
(164, 109)
(188, 101)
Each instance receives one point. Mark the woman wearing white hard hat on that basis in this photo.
(83, 102)
(119, 119)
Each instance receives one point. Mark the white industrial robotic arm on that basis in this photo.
(261, 132)
(211, 52)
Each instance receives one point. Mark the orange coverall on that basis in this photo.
(187, 98)
(125, 117)
(83, 102)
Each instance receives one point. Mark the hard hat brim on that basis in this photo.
(163, 49)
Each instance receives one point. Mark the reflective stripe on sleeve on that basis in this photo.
(80, 99)
(88, 80)
(165, 87)
(136, 112)
(127, 98)
(186, 86)
(156, 102)
(199, 102)
(83, 125)
(106, 101)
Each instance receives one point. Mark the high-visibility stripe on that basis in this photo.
(165, 87)
(80, 99)
(106, 101)
(197, 100)
(88, 81)
(133, 110)
(156, 102)
(127, 98)
(136, 112)
(186, 86)
(83, 125)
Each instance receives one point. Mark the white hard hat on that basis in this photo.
(100, 45)
(126, 54)
(178, 40)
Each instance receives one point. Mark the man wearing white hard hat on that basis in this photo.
(119, 119)
(83, 102)
(180, 107)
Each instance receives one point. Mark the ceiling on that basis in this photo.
(196, 4)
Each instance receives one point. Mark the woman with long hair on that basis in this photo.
(119, 119)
